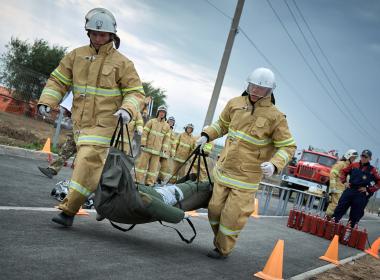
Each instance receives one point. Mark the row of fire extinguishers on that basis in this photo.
(322, 227)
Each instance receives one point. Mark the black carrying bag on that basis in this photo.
(117, 197)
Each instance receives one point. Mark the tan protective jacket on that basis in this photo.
(336, 186)
(184, 145)
(156, 137)
(172, 138)
(102, 83)
(256, 133)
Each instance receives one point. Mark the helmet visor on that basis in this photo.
(258, 91)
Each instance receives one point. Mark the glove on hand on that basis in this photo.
(44, 110)
(201, 141)
(140, 130)
(124, 114)
(267, 168)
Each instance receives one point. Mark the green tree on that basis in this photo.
(26, 67)
(158, 95)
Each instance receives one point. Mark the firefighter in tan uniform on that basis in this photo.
(207, 149)
(136, 124)
(105, 86)
(184, 145)
(336, 187)
(258, 143)
(166, 161)
(154, 142)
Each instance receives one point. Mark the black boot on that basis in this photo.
(216, 254)
(63, 219)
(49, 172)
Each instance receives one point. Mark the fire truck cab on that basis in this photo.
(311, 172)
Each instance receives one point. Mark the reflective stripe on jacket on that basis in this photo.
(256, 133)
(102, 83)
(336, 186)
(156, 137)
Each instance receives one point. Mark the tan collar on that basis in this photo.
(105, 49)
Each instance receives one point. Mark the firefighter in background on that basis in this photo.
(336, 188)
(363, 183)
(259, 143)
(183, 146)
(207, 149)
(154, 142)
(68, 148)
(136, 124)
(106, 86)
(166, 161)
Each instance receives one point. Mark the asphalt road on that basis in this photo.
(32, 247)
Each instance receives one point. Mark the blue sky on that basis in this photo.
(178, 46)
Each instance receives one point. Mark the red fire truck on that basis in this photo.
(311, 172)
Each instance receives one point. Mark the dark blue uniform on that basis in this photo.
(361, 175)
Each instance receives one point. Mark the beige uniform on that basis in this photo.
(183, 146)
(166, 161)
(155, 141)
(256, 134)
(336, 187)
(134, 124)
(102, 82)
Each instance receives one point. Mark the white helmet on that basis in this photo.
(350, 153)
(189, 125)
(162, 108)
(100, 19)
(262, 77)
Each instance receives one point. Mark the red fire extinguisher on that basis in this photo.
(307, 222)
(346, 234)
(313, 224)
(321, 227)
(363, 236)
(329, 230)
(354, 237)
(301, 220)
(293, 217)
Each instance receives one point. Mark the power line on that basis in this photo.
(327, 77)
(294, 90)
(347, 115)
(332, 68)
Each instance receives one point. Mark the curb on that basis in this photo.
(25, 153)
(318, 270)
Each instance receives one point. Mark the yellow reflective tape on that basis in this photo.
(217, 128)
(283, 155)
(284, 143)
(78, 89)
(229, 232)
(53, 93)
(157, 133)
(140, 170)
(79, 188)
(62, 78)
(233, 182)
(248, 138)
(95, 139)
(213, 222)
(151, 151)
(138, 88)
(224, 122)
(133, 101)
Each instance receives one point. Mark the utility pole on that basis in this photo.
(224, 63)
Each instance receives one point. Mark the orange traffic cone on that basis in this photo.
(46, 149)
(273, 267)
(82, 212)
(255, 213)
(374, 250)
(331, 254)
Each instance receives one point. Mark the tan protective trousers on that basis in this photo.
(203, 173)
(179, 173)
(165, 169)
(333, 203)
(148, 165)
(228, 212)
(88, 168)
